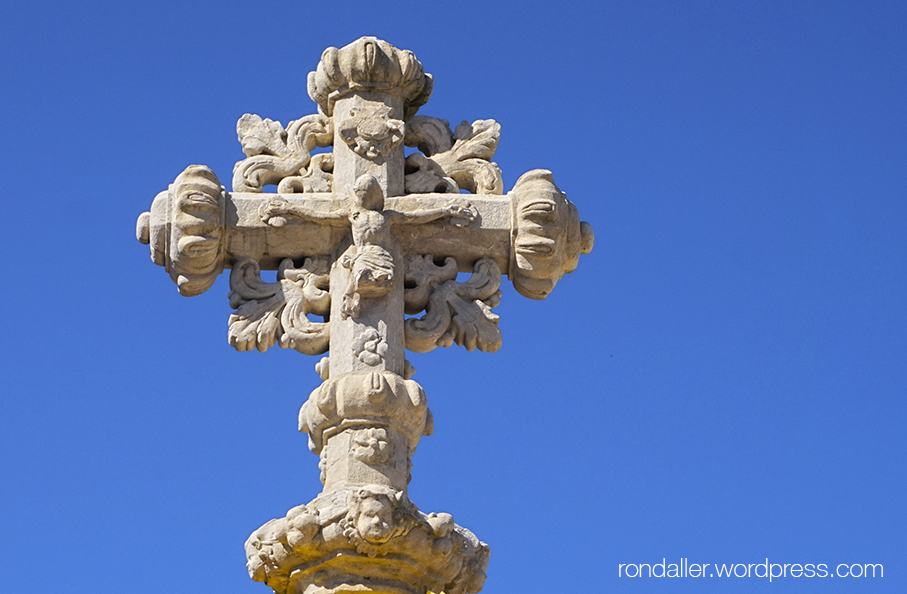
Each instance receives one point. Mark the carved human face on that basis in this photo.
(369, 194)
(376, 519)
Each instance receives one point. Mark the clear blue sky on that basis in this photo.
(722, 379)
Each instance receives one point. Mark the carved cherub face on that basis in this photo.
(375, 522)
(370, 131)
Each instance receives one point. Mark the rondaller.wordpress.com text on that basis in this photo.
(684, 568)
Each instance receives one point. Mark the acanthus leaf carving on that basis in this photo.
(261, 136)
(422, 276)
(477, 140)
(317, 178)
(277, 313)
(455, 312)
(427, 176)
(274, 154)
(453, 161)
(429, 135)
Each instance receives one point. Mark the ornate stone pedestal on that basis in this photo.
(363, 533)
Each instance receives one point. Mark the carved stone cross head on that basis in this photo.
(363, 236)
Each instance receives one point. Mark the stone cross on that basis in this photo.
(361, 237)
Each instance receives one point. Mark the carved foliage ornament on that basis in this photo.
(371, 445)
(369, 347)
(278, 156)
(454, 312)
(277, 313)
(452, 161)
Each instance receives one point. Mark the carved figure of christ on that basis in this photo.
(369, 258)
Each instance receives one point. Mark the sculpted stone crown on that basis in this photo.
(369, 63)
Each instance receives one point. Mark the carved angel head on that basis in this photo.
(371, 131)
(376, 519)
(375, 516)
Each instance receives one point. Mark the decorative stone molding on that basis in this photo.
(548, 236)
(372, 64)
(329, 546)
(185, 229)
(277, 313)
(373, 399)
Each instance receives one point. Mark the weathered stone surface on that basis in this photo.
(367, 539)
(369, 64)
(361, 237)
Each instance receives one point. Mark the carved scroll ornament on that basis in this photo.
(454, 312)
(278, 156)
(452, 161)
(277, 313)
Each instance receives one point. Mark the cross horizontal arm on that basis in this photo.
(196, 229)
(249, 236)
